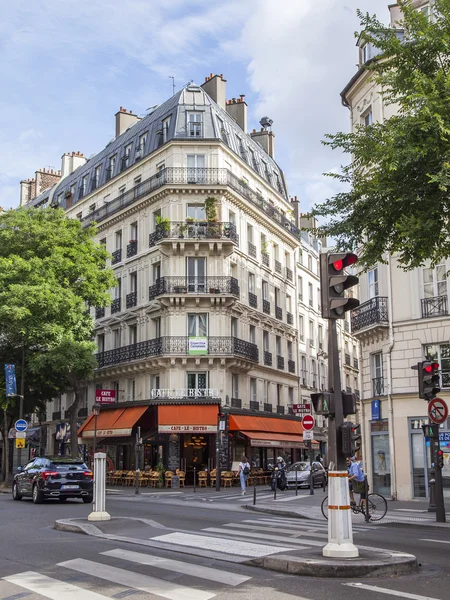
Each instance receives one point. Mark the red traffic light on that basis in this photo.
(435, 366)
(338, 265)
(345, 261)
(428, 368)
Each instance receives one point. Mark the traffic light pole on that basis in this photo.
(432, 475)
(335, 457)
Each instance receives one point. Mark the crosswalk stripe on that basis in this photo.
(263, 530)
(299, 544)
(307, 524)
(179, 567)
(144, 583)
(52, 588)
(220, 544)
(389, 592)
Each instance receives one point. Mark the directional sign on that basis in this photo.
(20, 443)
(437, 410)
(21, 425)
(308, 422)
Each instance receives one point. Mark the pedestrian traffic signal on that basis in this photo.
(431, 430)
(348, 403)
(333, 283)
(350, 438)
(429, 380)
(323, 403)
(440, 459)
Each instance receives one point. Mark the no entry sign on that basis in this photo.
(437, 410)
(308, 422)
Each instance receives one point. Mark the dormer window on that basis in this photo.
(141, 146)
(126, 157)
(195, 124)
(165, 129)
(365, 54)
(110, 169)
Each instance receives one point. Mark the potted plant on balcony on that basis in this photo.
(182, 230)
(211, 208)
(163, 224)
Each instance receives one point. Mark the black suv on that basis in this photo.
(53, 477)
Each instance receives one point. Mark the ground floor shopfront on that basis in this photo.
(396, 453)
(191, 435)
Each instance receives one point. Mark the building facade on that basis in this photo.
(403, 319)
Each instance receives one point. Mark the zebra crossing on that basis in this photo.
(112, 576)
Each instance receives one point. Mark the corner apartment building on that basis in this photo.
(403, 319)
(208, 253)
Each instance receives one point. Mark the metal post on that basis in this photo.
(432, 475)
(136, 463)
(22, 392)
(311, 479)
(99, 508)
(296, 485)
(334, 424)
(194, 479)
(254, 490)
(275, 489)
(440, 507)
(366, 490)
(218, 444)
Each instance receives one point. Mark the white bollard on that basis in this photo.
(340, 533)
(99, 505)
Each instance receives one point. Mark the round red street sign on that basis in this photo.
(437, 410)
(308, 422)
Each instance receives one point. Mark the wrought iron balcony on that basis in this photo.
(132, 248)
(280, 362)
(348, 360)
(378, 386)
(116, 256)
(99, 312)
(115, 305)
(265, 259)
(434, 307)
(253, 300)
(83, 412)
(289, 318)
(252, 250)
(266, 306)
(254, 405)
(279, 313)
(289, 274)
(290, 410)
(267, 407)
(277, 266)
(236, 403)
(131, 299)
(280, 410)
(194, 285)
(56, 416)
(267, 358)
(179, 346)
(193, 231)
(291, 366)
(370, 313)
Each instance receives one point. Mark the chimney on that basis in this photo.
(216, 86)
(46, 178)
(266, 139)
(124, 120)
(26, 192)
(238, 110)
(308, 222)
(70, 162)
(295, 207)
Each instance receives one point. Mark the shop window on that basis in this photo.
(381, 464)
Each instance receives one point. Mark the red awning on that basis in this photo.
(187, 418)
(266, 424)
(117, 422)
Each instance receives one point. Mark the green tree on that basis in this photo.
(396, 186)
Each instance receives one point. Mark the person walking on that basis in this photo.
(244, 472)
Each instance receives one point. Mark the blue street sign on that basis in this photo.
(10, 380)
(376, 410)
(21, 425)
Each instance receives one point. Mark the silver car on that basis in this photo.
(303, 472)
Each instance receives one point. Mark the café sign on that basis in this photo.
(187, 429)
(185, 393)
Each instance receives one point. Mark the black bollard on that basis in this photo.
(296, 485)
(194, 479)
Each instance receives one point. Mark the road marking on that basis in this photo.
(289, 532)
(52, 588)
(219, 544)
(144, 583)
(374, 588)
(262, 536)
(307, 525)
(179, 567)
(434, 541)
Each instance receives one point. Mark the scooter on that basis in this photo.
(278, 479)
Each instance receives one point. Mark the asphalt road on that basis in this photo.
(28, 543)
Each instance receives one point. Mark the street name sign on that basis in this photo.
(438, 410)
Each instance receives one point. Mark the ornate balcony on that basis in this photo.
(289, 318)
(131, 299)
(265, 259)
(83, 412)
(116, 256)
(267, 358)
(115, 306)
(254, 405)
(434, 307)
(279, 313)
(253, 300)
(132, 248)
(267, 407)
(195, 231)
(280, 362)
(252, 250)
(280, 410)
(378, 386)
(266, 307)
(99, 312)
(179, 346)
(194, 285)
(370, 314)
(291, 366)
(277, 266)
(236, 403)
(56, 416)
(289, 274)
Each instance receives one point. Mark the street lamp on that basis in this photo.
(96, 412)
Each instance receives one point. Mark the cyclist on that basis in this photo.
(356, 481)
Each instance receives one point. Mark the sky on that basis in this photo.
(67, 67)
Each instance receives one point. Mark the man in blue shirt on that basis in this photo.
(356, 479)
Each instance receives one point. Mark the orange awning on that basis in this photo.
(274, 440)
(188, 418)
(266, 424)
(118, 422)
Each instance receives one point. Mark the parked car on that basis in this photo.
(53, 477)
(303, 470)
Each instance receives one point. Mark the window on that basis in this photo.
(141, 146)
(101, 342)
(241, 149)
(116, 337)
(165, 129)
(287, 259)
(79, 216)
(126, 157)
(156, 272)
(195, 125)
(252, 334)
(195, 168)
(289, 304)
(320, 337)
(196, 382)
(196, 212)
(196, 271)
(133, 232)
(160, 168)
(155, 382)
(132, 334)
(319, 306)
(372, 277)
(441, 354)
(279, 394)
(300, 288)
(235, 385)
(122, 190)
(291, 396)
(289, 350)
(377, 368)
(250, 234)
(304, 372)
(251, 283)
(276, 252)
(111, 167)
(234, 327)
(131, 390)
(266, 342)
(222, 131)
(156, 217)
(253, 160)
(92, 208)
(118, 239)
(310, 262)
(277, 297)
(84, 184)
(301, 327)
(133, 282)
(156, 323)
(266, 392)
(198, 325)
(265, 290)
(314, 373)
(311, 334)
(118, 288)
(310, 294)
(232, 217)
(425, 10)
(278, 345)
(367, 118)
(253, 390)
(96, 181)
(434, 282)
(266, 171)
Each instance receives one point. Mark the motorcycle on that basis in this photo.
(278, 479)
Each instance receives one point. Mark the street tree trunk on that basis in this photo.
(73, 416)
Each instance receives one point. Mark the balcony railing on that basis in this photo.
(348, 361)
(193, 231)
(280, 410)
(236, 403)
(254, 405)
(132, 248)
(83, 412)
(116, 256)
(179, 346)
(289, 274)
(378, 386)
(56, 416)
(115, 305)
(434, 307)
(253, 300)
(131, 299)
(373, 312)
(357, 394)
(355, 363)
(279, 313)
(289, 318)
(99, 312)
(291, 366)
(277, 266)
(267, 358)
(266, 307)
(280, 362)
(267, 407)
(194, 285)
(265, 259)
(252, 250)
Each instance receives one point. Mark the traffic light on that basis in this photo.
(356, 438)
(431, 430)
(350, 438)
(333, 283)
(348, 403)
(440, 459)
(323, 403)
(428, 379)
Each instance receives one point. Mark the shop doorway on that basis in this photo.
(195, 453)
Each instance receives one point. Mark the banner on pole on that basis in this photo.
(10, 379)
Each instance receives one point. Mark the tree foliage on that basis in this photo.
(398, 178)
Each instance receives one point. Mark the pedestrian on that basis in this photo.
(244, 472)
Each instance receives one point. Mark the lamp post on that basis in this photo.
(96, 412)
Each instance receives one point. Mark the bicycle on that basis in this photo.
(376, 502)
